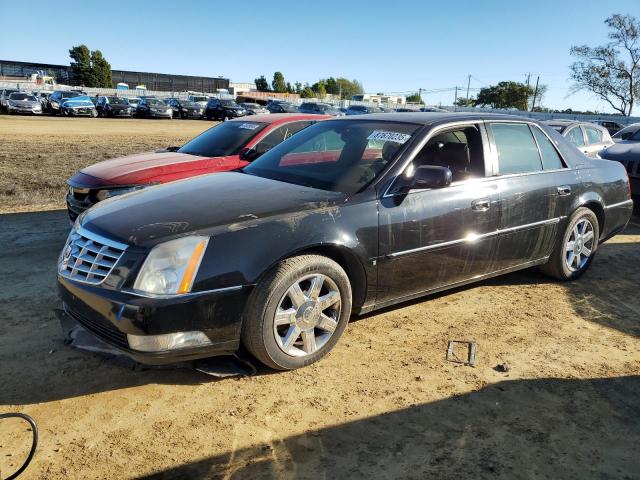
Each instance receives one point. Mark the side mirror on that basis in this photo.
(248, 154)
(431, 176)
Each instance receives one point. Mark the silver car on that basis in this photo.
(22, 102)
(587, 137)
(254, 109)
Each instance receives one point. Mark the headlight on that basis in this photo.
(172, 266)
(114, 192)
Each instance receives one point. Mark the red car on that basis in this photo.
(227, 146)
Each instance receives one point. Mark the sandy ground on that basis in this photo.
(384, 404)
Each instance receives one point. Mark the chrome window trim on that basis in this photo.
(475, 238)
(620, 204)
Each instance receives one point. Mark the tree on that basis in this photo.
(100, 70)
(261, 84)
(307, 92)
(90, 68)
(290, 88)
(505, 95)
(298, 88)
(278, 84)
(465, 102)
(611, 71)
(414, 98)
(81, 64)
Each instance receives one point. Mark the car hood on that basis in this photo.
(26, 103)
(77, 103)
(114, 106)
(623, 150)
(207, 204)
(131, 169)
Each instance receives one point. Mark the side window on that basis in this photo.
(636, 136)
(517, 150)
(575, 137)
(279, 135)
(550, 157)
(593, 135)
(459, 149)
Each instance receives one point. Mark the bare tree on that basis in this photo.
(611, 71)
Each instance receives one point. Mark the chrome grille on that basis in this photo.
(88, 257)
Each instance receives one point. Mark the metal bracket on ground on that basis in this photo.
(471, 352)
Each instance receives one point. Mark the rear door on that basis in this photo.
(575, 135)
(536, 189)
(595, 141)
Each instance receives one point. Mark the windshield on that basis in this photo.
(250, 105)
(341, 156)
(199, 99)
(223, 140)
(117, 101)
(134, 101)
(155, 102)
(358, 108)
(190, 104)
(627, 133)
(71, 94)
(228, 103)
(22, 96)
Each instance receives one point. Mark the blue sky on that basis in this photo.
(389, 46)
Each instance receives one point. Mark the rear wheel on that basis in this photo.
(297, 312)
(577, 247)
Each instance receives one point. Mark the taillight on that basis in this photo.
(628, 184)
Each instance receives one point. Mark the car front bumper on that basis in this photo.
(79, 111)
(112, 314)
(35, 111)
(160, 114)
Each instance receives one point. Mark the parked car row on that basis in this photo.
(311, 218)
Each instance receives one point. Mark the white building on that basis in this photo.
(379, 98)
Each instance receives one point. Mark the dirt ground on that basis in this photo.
(384, 404)
(37, 154)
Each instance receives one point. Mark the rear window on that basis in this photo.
(593, 135)
(225, 139)
(550, 156)
(517, 151)
(575, 137)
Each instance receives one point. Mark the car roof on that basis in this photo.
(428, 118)
(280, 118)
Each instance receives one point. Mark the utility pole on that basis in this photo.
(468, 85)
(528, 78)
(455, 98)
(420, 96)
(535, 93)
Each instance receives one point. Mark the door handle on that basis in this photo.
(481, 205)
(564, 190)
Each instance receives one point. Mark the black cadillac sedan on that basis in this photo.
(345, 217)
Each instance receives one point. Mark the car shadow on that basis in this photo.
(548, 428)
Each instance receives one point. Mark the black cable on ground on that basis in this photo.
(34, 444)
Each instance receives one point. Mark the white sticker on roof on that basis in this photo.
(248, 126)
(384, 136)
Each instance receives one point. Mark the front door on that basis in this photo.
(438, 237)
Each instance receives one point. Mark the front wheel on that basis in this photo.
(577, 247)
(297, 312)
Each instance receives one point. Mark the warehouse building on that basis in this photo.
(63, 74)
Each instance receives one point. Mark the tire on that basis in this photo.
(564, 266)
(94, 113)
(267, 342)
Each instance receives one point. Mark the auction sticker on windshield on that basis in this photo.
(384, 136)
(249, 126)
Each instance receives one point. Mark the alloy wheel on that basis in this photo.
(579, 246)
(307, 315)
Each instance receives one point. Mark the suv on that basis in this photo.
(320, 109)
(4, 96)
(361, 110)
(280, 106)
(224, 109)
(612, 127)
(111, 106)
(185, 108)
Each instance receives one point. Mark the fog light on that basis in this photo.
(168, 341)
